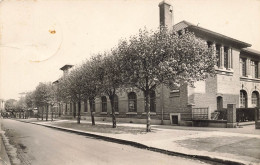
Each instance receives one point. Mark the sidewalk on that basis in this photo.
(226, 145)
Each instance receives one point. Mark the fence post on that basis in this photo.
(209, 114)
(231, 116)
(257, 121)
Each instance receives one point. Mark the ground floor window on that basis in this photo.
(116, 103)
(132, 107)
(255, 99)
(152, 101)
(219, 103)
(104, 103)
(93, 105)
(243, 99)
(86, 106)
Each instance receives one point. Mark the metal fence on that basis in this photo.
(200, 113)
(245, 114)
(242, 114)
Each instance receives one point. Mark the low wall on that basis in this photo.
(128, 120)
(210, 123)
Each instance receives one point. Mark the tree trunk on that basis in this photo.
(147, 109)
(79, 108)
(47, 111)
(38, 113)
(91, 110)
(74, 109)
(66, 109)
(42, 112)
(59, 110)
(51, 113)
(113, 110)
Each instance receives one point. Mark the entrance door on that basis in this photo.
(174, 119)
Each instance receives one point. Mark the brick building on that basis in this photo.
(237, 82)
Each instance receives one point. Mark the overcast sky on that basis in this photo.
(39, 37)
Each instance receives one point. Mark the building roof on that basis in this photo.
(56, 82)
(203, 31)
(250, 51)
(65, 67)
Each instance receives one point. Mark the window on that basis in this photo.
(209, 44)
(116, 103)
(104, 103)
(86, 106)
(243, 60)
(225, 57)
(93, 105)
(255, 99)
(132, 102)
(243, 99)
(219, 103)
(256, 69)
(152, 101)
(218, 55)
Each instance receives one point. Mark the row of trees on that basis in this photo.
(144, 61)
(13, 107)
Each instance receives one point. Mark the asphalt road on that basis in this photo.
(38, 145)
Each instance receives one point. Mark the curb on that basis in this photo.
(141, 146)
(4, 158)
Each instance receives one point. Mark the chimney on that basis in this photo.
(166, 14)
(65, 69)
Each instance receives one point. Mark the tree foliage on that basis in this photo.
(112, 78)
(44, 96)
(159, 57)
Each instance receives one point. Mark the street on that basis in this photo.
(38, 145)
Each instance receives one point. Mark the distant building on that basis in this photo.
(2, 105)
(237, 82)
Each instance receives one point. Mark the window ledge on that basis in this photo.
(249, 79)
(131, 113)
(225, 71)
(116, 113)
(151, 113)
(103, 113)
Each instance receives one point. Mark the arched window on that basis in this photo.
(219, 103)
(255, 99)
(92, 104)
(243, 99)
(132, 102)
(86, 106)
(116, 103)
(152, 101)
(104, 103)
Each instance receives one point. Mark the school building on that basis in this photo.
(237, 82)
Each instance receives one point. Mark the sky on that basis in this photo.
(38, 37)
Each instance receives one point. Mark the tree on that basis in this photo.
(112, 79)
(29, 100)
(74, 86)
(62, 92)
(44, 96)
(21, 107)
(92, 77)
(10, 106)
(159, 57)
